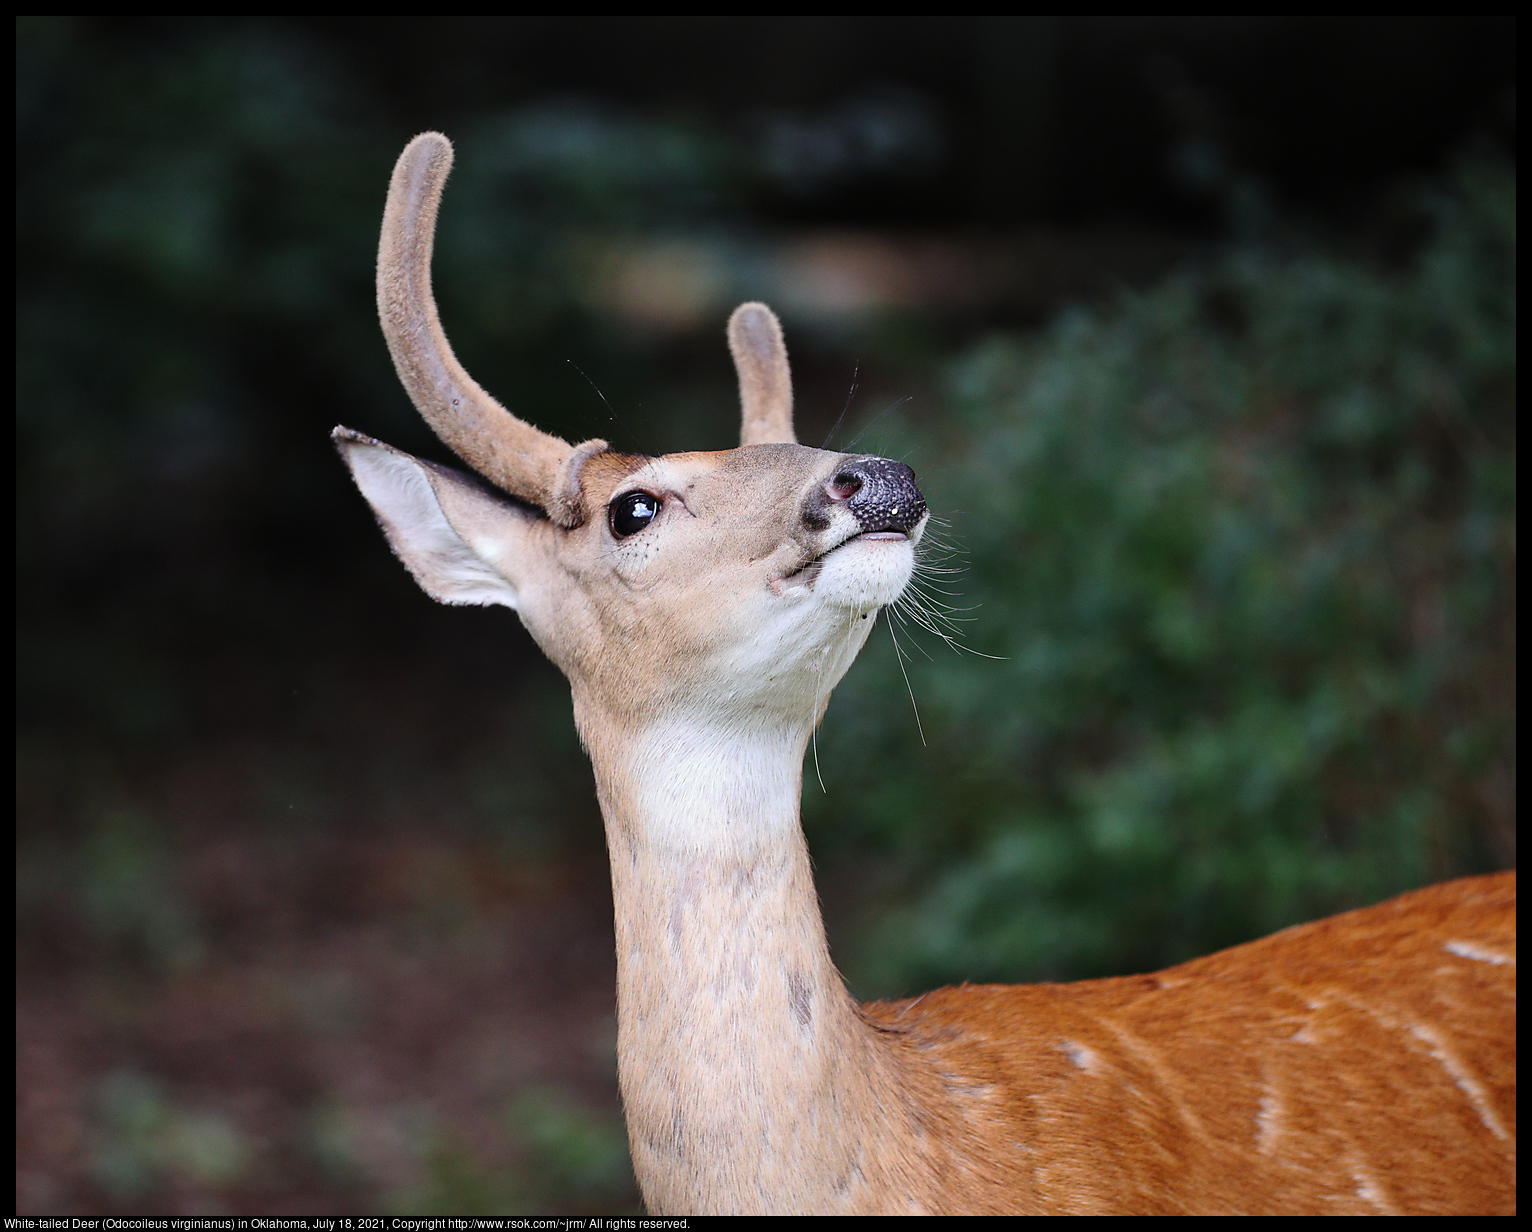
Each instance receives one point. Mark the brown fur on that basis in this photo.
(1357, 1065)
(765, 381)
(528, 463)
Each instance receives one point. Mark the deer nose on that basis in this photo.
(879, 493)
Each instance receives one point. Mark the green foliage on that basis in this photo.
(573, 1160)
(1244, 550)
(128, 898)
(574, 1151)
(140, 1139)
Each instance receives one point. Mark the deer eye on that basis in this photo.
(631, 512)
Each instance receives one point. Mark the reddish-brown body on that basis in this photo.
(1361, 1064)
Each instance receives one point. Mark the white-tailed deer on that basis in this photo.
(703, 605)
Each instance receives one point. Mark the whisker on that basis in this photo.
(611, 410)
(850, 394)
(873, 421)
(922, 605)
(909, 688)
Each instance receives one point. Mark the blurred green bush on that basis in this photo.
(1243, 548)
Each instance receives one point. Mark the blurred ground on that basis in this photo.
(282, 971)
(336, 1060)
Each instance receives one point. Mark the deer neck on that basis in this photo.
(744, 1065)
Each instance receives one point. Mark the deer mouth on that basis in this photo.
(807, 574)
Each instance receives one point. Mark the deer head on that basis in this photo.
(732, 585)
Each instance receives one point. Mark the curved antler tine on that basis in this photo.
(765, 381)
(509, 452)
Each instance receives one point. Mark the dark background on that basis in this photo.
(312, 907)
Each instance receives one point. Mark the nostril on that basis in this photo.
(844, 486)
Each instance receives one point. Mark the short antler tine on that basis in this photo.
(765, 381)
(510, 453)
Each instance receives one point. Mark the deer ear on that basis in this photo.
(765, 381)
(462, 543)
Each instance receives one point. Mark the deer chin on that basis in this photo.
(867, 571)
